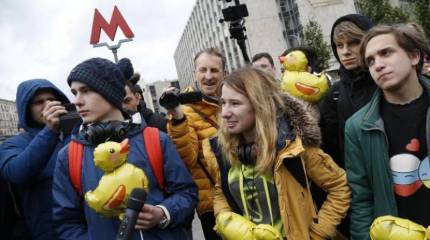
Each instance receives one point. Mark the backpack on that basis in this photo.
(153, 150)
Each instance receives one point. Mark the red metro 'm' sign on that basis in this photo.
(116, 21)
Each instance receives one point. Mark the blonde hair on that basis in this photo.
(267, 102)
(348, 30)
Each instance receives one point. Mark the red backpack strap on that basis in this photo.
(151, 138)
(75, 165)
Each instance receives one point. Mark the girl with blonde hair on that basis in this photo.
(267, 151)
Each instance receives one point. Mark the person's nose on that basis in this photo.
(208, 74)
(78, 101)
(346, 50)
(225, 112)
(379, 64)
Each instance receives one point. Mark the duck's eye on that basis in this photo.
(111, 150)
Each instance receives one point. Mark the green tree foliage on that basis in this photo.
(422, 14)
(314, 38)
(381, 12)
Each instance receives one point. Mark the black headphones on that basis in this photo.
(105, 131)
(246, 153)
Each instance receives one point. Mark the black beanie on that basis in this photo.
(105, 77)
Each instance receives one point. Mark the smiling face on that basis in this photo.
(91, 106)
(391, 67)
(209, 73)
(237, 112)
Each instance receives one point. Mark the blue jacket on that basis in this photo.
(28, 160)
(75, 220)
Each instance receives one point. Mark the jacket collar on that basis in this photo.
(298, 122)
(297, 129)
(372, 117)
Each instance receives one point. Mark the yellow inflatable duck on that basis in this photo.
(297, 81)
(120, 178)
(395, 228)
(232, 226)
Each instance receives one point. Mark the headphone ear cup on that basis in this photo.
(120, 132)
(240, 154)
(246, 154)
(249, 156)
(100, 132)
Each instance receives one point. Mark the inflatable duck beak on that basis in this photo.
(124, 146)
(281, 59)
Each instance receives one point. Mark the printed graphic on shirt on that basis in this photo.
(409, 172)
(256, 195)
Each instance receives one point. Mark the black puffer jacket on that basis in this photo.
(344, 98)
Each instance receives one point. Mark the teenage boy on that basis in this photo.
(134, 103)
(98, 87)
(386, 142)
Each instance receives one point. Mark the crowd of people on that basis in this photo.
(251, 159)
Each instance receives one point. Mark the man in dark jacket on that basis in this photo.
(27, 161)
(135, 103)
(387, 141)
(354, 89)
(346, 96)
(98, 86)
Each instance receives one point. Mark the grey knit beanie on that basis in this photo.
(105, 77)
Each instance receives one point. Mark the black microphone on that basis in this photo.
(134, 205)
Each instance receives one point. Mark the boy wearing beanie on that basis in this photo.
(98, 86)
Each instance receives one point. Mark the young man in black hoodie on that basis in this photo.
(354, 89)
(135, 103)
(348, 95)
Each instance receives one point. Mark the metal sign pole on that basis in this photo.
(113, 48)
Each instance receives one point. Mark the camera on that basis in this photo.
(235, 15)
(172, 100)
(70, 119)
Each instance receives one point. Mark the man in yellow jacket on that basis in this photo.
(190, 124)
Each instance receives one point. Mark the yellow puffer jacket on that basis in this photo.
(188, 136)
(299, 216)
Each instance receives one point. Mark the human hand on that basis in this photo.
(149, 217)
(170, 101)
(51, 113)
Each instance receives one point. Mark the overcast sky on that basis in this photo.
(47, 38)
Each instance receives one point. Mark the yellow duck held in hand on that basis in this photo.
(395, 228)
(232, 226)
(120, 178)
(297, 81)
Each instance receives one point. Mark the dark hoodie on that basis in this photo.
(345, 97)
(27, 161)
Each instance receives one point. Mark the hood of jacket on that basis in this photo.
(25, 93)
(363, 23)
(297, 121)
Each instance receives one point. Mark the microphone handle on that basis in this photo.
(126, 228)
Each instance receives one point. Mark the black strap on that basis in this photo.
(206, 171)
(206, 118)
(224, 167)
(215, 125)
